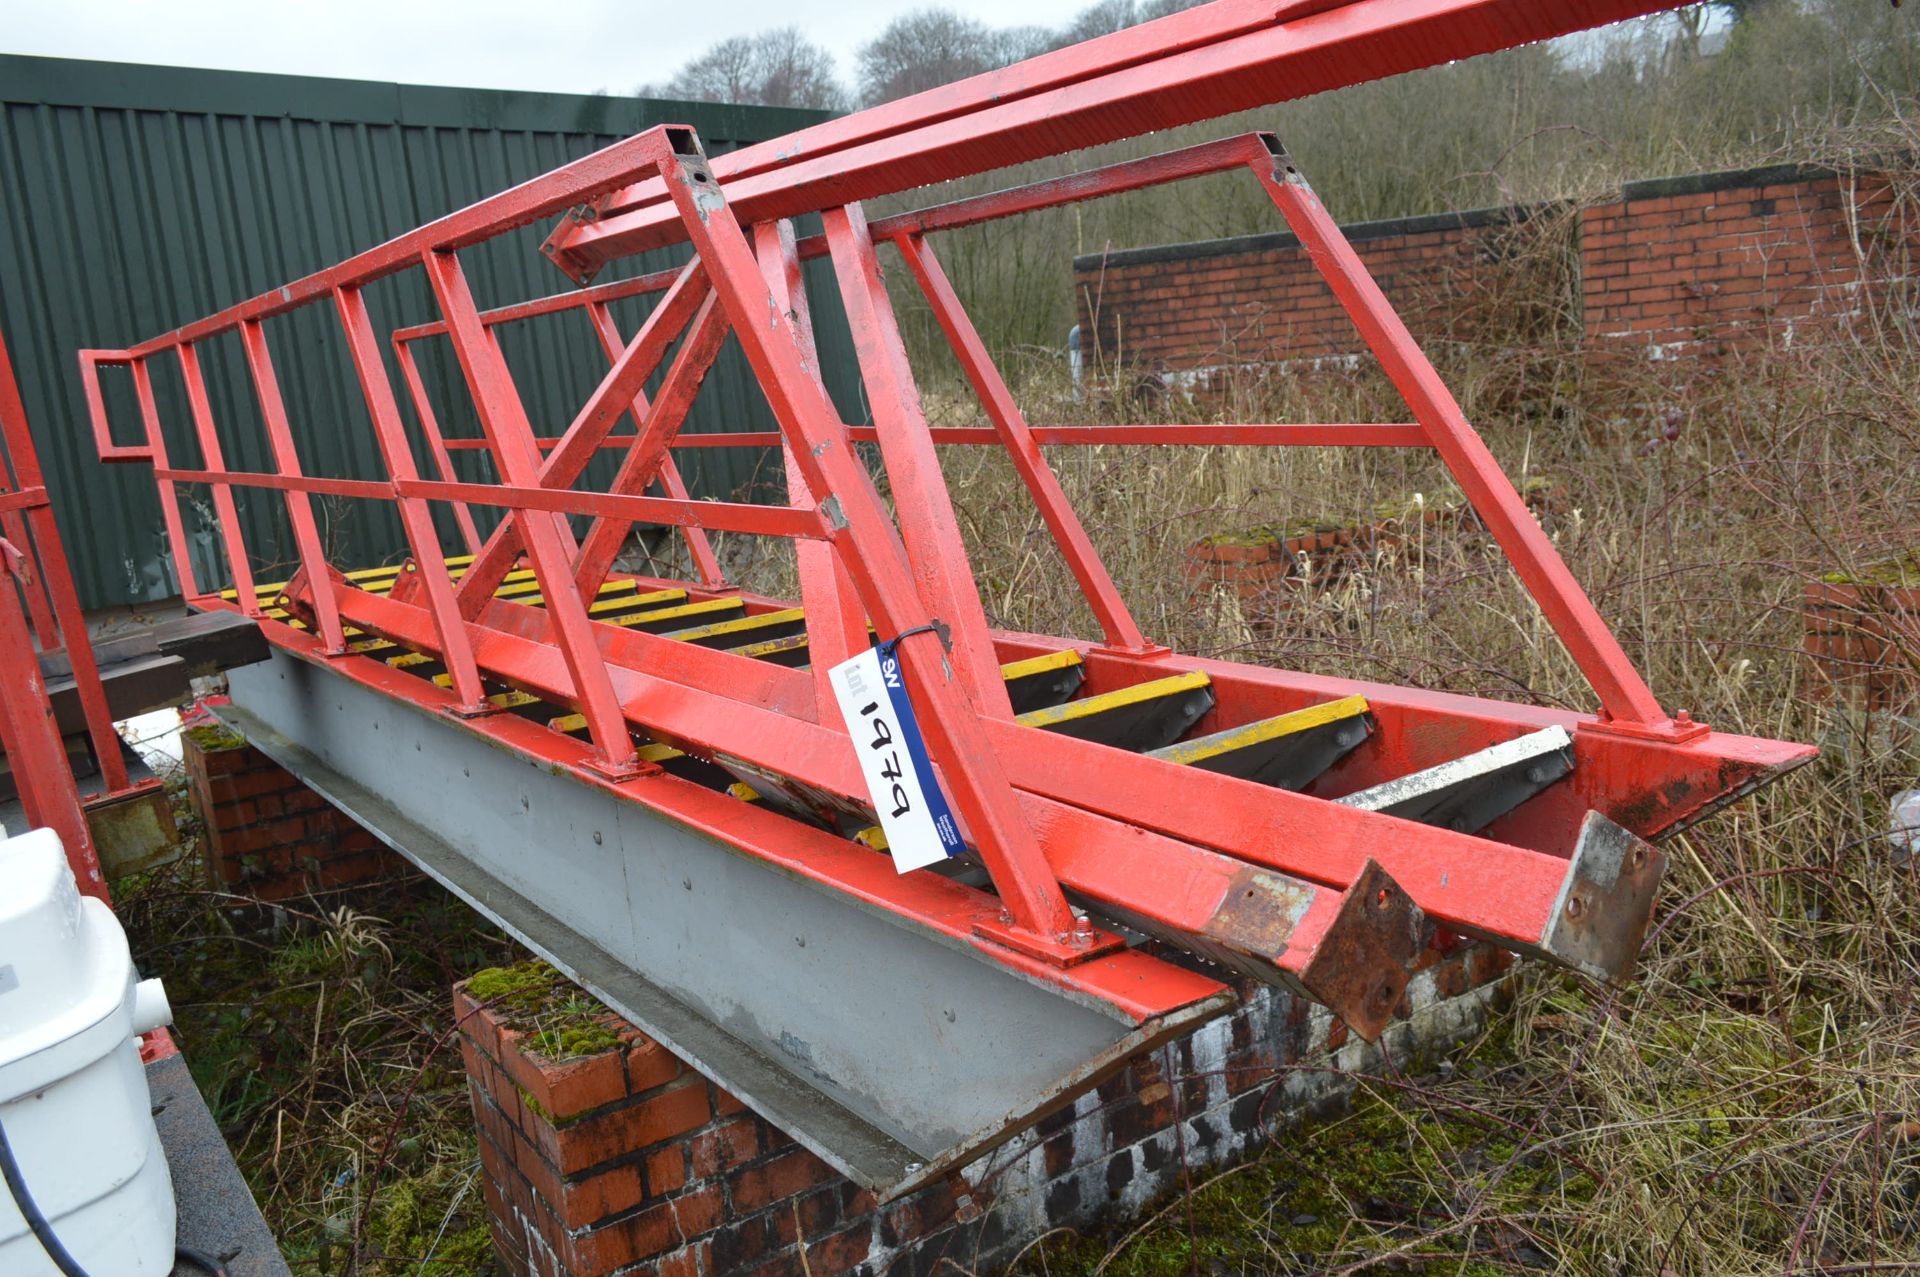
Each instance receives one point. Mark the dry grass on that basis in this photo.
(316, 1031)
(1752, 1103)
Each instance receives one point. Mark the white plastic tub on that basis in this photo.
(73, 1094)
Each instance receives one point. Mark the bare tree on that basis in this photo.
(775, 68)
(1107, 16)
(924, 50)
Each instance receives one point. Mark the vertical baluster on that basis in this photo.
(456, 649)
(436, 440)
(306, 534)
(699, 547)
(549, 543)
(225, 514)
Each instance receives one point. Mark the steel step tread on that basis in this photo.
(1042, 682)
(657, 620)
(518, 580)
(730, 633)
(1467, 794)
(1139, 718)
(1287, 751)
(372, 646)
(610, 592)
(790, 650)
(358, 576)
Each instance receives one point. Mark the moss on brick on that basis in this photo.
(1900, 571)
(211, 738)
(560, 1022)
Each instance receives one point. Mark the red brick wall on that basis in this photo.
(267, 835)
(1259, 300)
(1862, 644)
(1769, 256)
(623, 1161)
(1774, 255)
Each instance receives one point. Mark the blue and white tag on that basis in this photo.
(913, 813)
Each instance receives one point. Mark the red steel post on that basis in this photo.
(1116, 622)
(306, 534)
(52, 601)
(34, 750)
(549, 544)
(23, 488)
(1623, 693)
(423, 539)
(871, 549)
(156, 453)
(836, 627)
(13, 526)
(226, 516)
(928, 524)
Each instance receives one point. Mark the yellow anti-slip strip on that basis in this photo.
(692, 611)
(796, 642)
(371, 647)
(767, 647)
(1267, 729)
(363, 574)
(521, 580)
(518, 583)
(740, 625)
(1106, 701)
(1040, 664)
(499, 700)
(611, 596)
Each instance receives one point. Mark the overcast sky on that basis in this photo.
(573, 47)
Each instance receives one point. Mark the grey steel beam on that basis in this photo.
(891, 1051)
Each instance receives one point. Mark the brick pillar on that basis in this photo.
(267, 835)
(603, 1154)
(1857, 636)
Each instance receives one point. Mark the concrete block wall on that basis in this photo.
(1715, 261)
(623, 1161)
(267, 835)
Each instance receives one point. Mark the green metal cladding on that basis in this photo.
(136, 198)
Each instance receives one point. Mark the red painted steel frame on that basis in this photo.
(34, 568)
(1139, 836)
(781, 359)
(1206, 62)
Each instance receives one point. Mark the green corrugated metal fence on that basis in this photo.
(136, 198)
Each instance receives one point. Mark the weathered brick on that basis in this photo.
(784, 1176)
(566, 1089)
(726, 1145)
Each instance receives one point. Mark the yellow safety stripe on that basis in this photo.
(740, 625)
(613, 596)
(767, 647)
(1135, 695)
(703, 608)
(366, 574)
(511, 581)
(1300, 720)
(499, 700)
(1040, 664)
